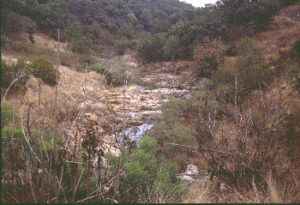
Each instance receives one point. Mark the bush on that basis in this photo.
(293, 77)
(151, 48)
(103, 69)
(223, 83)
(172, 130)
(11, 22)
(43, 69)
(80, 44)
(209, 56)
(9, 73)
(147, 174)
(295, 52)
(252, 73)
(287, 2)
(122, 45)
(247, 14)
(171, 48)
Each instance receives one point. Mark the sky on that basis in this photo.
(199, 3)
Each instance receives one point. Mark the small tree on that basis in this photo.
(41, 68)
(209, 56)
(18, 72)
(150, 49)
(147, 174)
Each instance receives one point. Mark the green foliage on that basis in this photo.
(172, 48)
(11, 22)
(147, 174)
(166, 185)
(122, 45)
(209, 55)
(172, 130)
(84, 24)
(43, 69)
(244, 13)
(80, 44)
(18, 72)
(151, 48)
(292, 74)
(103, 69)
(223, 82)
(251, 73)
(288, 2)
(90, 22)
(8, 132)
(295, 52)
(8, 114)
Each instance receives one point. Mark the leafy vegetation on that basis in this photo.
(147, 174)
(15, 75)
(240, 127)
(251, 73)
(85, 23)
(43, 69)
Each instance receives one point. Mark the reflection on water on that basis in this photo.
(135, 133)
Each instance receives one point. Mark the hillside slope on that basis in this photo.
(281, 34)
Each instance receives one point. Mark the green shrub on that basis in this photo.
(292, 75)
(209, 55)
(11, 22)
(44, 70)
(223, 83)
(166, 184)
(80, 44)
(122, 45)
(151, 48)
(252, 73)
(147, 174)
(287, 2)
(103, 69)
(295, 52)
(9, 73)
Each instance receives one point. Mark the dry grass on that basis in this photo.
(44, 41)
(281, 35)
(208, 193)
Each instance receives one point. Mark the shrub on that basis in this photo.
(166, 184)
(171, 48)
(223, 83)
(172, 130)
(147, 174)
(150, 49)
(295, 52)
(29, 26)
(44, 70)
(9, 73)
(80, 44)
(209, 56)
(103, 69)
(251, 71)
(292, 75)
(247, 14)
(122, 45)
(287, 2)
(11, 22)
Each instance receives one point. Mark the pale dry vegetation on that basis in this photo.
(63, 112)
